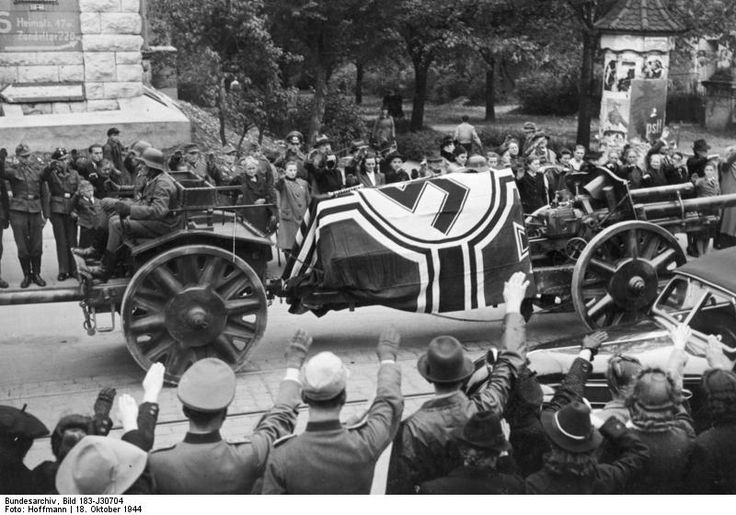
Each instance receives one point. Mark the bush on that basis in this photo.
(548, 92)
(415, 145)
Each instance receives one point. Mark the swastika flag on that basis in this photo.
(432, 245)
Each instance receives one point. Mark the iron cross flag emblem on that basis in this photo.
(431, 245)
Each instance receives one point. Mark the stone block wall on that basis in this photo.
(109, 64)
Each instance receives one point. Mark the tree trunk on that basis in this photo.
(421, 71)
(585, 104)
(359, 72)
(221, 111)
(490, 92)
(318, 103)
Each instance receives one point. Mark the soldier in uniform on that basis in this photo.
(150, 216)
(329, 458)
(28, 213)
(63, 183)
(203, 463)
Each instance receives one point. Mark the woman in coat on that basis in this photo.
(294, 202)
(63, 182)
(256, 191)
(727, 231)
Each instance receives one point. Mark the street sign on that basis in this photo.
(40, 26)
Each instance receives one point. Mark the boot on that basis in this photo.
(25, 265)
(104, 270)
(36, 271)
(86, 253)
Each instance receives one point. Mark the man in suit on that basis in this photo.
(204, 463)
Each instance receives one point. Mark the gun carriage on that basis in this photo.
(608, 251)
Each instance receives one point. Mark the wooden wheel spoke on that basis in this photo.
(189, 269)
(158, 347)
(212, 272)
(632, 243)
(663, 260)
(239, 329)
(233, 286)
(178, 359)
(602, 266)
(650, 246)
(150, 305)
(166, 279)
(244, 306)
(600, 305)
(225, 349)
(148, 324)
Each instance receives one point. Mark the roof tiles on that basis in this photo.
(639, 16)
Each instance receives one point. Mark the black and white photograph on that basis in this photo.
(373, 247)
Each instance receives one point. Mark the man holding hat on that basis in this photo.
(29, 208)
(203, 463)
(422, 448)
(481, 443)
(18, 429)
(329, 458)
(150, 216)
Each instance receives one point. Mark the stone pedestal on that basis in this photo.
(65, 63)
(159, 69)
(720, 105)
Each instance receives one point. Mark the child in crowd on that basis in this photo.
(706, 186)
(90, 216)
(533, 186)
(493, 160)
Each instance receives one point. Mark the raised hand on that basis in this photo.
(593, 341)
(153, 383)
(388, 344)
(296, 351)
(514, 291)
(128, 412)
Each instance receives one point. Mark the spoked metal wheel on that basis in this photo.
(191, 303)
(621, 271)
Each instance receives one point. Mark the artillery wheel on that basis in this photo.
(621, 271)
(190, 303)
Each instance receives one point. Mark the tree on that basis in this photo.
(222, 40)
(318, 30)
(428, 28)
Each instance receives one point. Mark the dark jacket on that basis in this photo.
(696, 165)
(63, 184)
(472, 481)
(29, 193)
(329, 458)
(527, 437)
(15, 477)
(253, 190)
(607, 478)
(423, 449)
(114, 151)
(670, 451)
(533, 191)
(158, 199)
(712, 468)
(90, 214)
(206, 464)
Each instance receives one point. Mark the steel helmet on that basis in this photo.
(139, 146)
(153, 158)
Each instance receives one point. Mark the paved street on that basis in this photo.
(49, 362)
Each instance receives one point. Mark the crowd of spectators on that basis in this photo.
(497, 436)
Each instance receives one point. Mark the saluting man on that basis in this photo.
(329, 458)
(206, 464)
(29, 207)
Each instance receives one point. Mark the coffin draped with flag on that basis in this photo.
(429, 246)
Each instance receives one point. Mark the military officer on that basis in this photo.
(63, 183)
(329, 458)
(203, 463)
(150, 216)
(28, 212)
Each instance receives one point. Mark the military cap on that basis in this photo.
(22, 150)
(189, 147)
(295, 137)
(322, 140)
(323, 377)
(16, 422)
(208, 386)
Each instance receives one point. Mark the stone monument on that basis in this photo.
(71, 69)
(636, 37)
